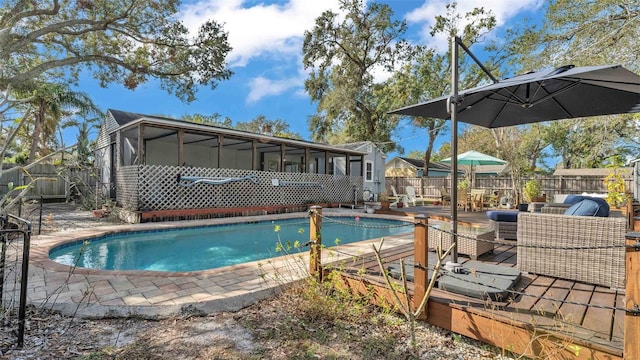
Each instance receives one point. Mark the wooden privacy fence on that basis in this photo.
(550, 185)
(54, 181)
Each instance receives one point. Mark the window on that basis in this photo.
(368, 170)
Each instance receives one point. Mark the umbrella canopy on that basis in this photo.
(473, 157)
(564, 93)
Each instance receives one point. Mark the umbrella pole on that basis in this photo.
(453, 109)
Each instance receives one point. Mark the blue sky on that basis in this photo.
(268, 79)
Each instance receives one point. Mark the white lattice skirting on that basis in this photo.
(155, 187)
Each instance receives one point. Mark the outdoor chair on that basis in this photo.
(463, 199)
(555, 208)
(560, 208)
(590, 249)
(477, 199)
(445, 197)
(395, 198)
(494, 198)
(367, 195)
(486, 198)
(412, 197)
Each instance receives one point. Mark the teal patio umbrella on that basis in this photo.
(475, 158)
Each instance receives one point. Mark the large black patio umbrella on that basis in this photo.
(564, 93)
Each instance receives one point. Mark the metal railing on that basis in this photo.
(14, 271)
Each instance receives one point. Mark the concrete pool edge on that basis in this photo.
(148, 294)
(154, 312)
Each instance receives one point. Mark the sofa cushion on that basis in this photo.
(587, 207)
(573, 199)
(604, 206)
(503, 215)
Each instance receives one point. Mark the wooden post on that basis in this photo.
(220, 145)
(181, 147)
(326, 162)
(255, 162)
(632, 299)
(283, 155)
(141, 145)
(315, 238)
(420, 259)
(307, 160)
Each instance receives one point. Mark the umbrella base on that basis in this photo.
(474, 279)
(454, 267)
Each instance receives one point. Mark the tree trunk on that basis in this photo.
(37, 131)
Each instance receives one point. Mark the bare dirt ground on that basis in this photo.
(284, 327)
(304, 322)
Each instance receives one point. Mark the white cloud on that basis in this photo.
(260, 29)
(271, 32)
(261, 87)
(502, 9)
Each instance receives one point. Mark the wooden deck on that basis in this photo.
(547, 318)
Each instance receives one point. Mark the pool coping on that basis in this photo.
(154, 294)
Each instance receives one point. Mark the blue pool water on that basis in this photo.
(201, 248)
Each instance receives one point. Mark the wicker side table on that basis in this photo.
(536, 206)
(469, 238)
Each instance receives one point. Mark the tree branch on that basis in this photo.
(16, 15)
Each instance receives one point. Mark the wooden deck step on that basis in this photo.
(577, 314)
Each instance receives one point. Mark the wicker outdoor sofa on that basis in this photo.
(504, 223)
(582, 248)
(505, 230)
(555, 208)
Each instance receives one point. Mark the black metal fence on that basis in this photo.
(15, 238)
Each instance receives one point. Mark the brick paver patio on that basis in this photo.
(94, 293)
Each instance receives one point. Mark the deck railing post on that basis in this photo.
(421, 248)
(315, 239)
(632, 300)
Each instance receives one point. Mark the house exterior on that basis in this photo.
(161, 168)
(407, 167)
(374, 165)
(490, 170)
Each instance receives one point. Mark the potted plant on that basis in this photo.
(616, 195)
(384, 200)
(463, 184)
(532, 192)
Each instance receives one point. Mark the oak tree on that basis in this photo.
(125, 42)
(343, 53)
(427, 74)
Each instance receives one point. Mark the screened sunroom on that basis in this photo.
(157, 167)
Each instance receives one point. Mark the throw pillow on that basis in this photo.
(583, 208)
(604, 206)
(573, 199)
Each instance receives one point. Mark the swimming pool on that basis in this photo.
(210, 247)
